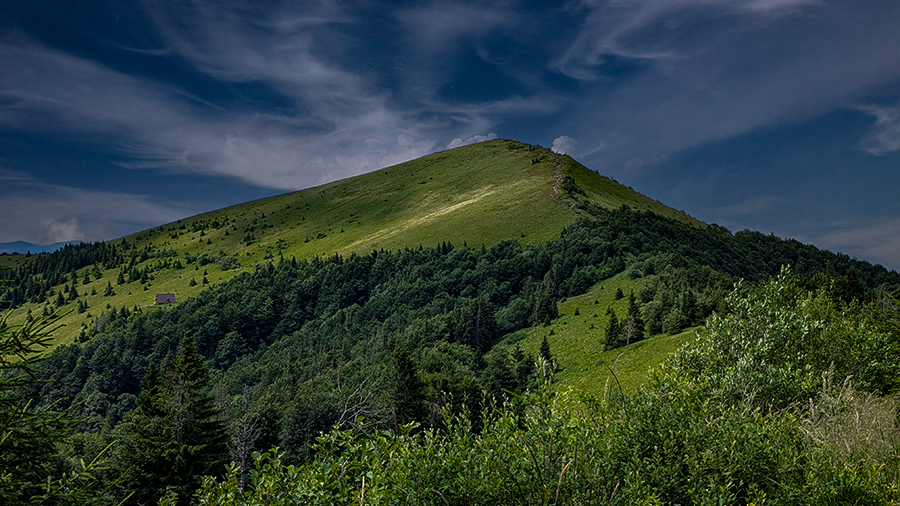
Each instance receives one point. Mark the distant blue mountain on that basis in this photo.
(26, 247)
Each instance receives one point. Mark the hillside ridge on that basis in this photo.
(476, 194)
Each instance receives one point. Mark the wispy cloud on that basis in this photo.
(885, 134)
(691, 72)
(325, 133)
(655, 29)
(876, 240)
(438, 27)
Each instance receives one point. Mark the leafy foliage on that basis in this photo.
(656, 447)
(774, 344)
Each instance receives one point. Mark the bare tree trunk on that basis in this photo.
(246, 432)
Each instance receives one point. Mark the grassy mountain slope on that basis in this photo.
(477, 194)
(577, 341)
(482, 193)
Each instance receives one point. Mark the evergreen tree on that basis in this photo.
(30, 435)
(689, 307)
(407, 398)
(545, 350)
(613, 330)
(634, 321)
(523, 368)
(175, 437)
(498, 376)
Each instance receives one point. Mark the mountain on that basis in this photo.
(403, 296)
(23, 247)
(481, 193)
(477, 194)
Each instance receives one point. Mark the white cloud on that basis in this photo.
(455, 143)
(159, 128)
(69, 230)
(564, 144)
(342, 125)
(885, 134)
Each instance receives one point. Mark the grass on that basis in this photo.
(577, 342)
(477, 194)
(129, 295)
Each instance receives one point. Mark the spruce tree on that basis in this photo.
(545, 350)
(689, 306)
(636, 320)
(408, 402)
(613, 330)
(31, 434)
(175, 437)
(523, 368)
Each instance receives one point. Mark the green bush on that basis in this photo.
(774, 344)
(677, 441)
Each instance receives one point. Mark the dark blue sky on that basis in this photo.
(775, 115)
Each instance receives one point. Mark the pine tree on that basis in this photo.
(689, 307)
(246, 432)
(30, 435)
(523, 369)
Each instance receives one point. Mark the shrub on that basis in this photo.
(677, 441)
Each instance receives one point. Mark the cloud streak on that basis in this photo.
(159, 128)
